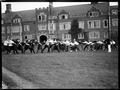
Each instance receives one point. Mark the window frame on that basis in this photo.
(16, 20)
(40, 16)
(114, 12)
(105, 34)
(104, 26)
(26, 28)
(2, 21)
(98, 24)
(40, 27)
(115, 22)
(82, 24)
(3, 30)
(8, 29)
(81, 36)
(53, 25)
(65, 16)
(93, 14)
(16, 29)
(65, 26)
(92, 35)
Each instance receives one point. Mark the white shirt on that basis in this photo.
(72, 44)
(51, 41)
(76, 43)
(55, 41)
(10, 43)
(85, 42)
(100, 42)
(47, 42)
(6, 43)
(67, 43)
(112, 42)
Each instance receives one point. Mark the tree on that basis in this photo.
(75, 30)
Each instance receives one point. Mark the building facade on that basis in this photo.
(55, 22)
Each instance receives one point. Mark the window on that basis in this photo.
(15, 37)
(25, 37)
(39, 18)
(3, 38)
(17, 20)
(29, 37)
(114, 22)
(2, 22)
(51, 36)
(63, 16)
(51, 31)
(105, 23)
(80, 36)
(66, 37)
(115, 12)
(42, 17)
(51, 26)
(42, 27)
(94, 35)
(3, 29)
(81, 24)
(90, 24)
(8, 29)
(105, 34)
(65, 26)
(26, 28)
(93, 14)
(94, 24)
(16, 29)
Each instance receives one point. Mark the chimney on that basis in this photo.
(8, 8)
(93, 3)
(50, 7)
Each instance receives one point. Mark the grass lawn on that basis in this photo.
(97, 69)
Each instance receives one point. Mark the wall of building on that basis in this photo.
(34, 32)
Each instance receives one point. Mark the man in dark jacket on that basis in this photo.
(108, 43)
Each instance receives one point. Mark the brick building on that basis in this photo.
(55, 22)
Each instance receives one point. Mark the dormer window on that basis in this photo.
(93, 14)
(114, 12)
(16, 20)
(42, 17)
(63, 16)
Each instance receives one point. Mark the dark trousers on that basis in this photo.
(46, 46)
(56, 47)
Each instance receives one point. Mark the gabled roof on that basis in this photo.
(27, 15)
(82, 9)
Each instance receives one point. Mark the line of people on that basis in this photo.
(54, 44)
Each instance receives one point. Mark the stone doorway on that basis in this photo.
(42, 38)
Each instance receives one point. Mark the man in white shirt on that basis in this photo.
(10, 43)
(6, 45)
(6, 42)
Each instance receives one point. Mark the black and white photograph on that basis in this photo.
(59, 45)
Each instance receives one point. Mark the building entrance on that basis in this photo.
(42, 38)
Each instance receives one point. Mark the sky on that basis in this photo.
(19, 6)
